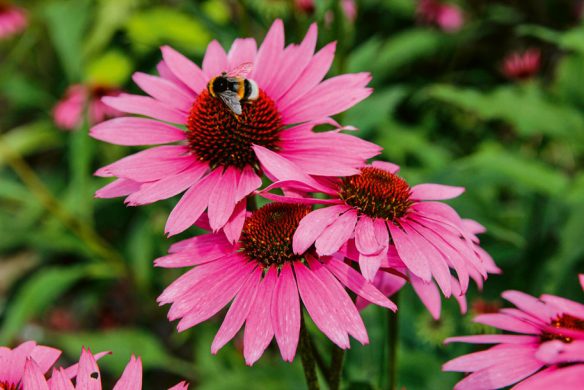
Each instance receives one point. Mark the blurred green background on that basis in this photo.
(78, 271)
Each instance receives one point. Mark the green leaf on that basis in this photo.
(159, 26)
(35, 295)
(111, 69)
(31, 138)
(67, 22)
(140, 251)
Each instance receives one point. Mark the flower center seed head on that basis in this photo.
(565, 321)
(218, 136)
(377, 193)
(267, 234)
(6, 386)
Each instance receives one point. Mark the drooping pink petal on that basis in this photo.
(131, 378)
(428, 294)
(258, 327)
(365, 237)
(435, 192)
(356, 283)
(136, 131)
(336, 234)
(147, 106)
(558, 352)
(234, 225)
(411, 255)
(498, 355)
(222, 202)
(530, 305)
(316, 301)
(493, 339)
(12, 362)
(118, 187)
(238, 311)
(45, 357)
(165, 91)
(269, 55)
(370, 264)
(313, 224)
(60, 381)
(285, 315)
(191, 205)
(33, 378)
(506, 322)
(242, 50)
(215, 60)
(88, 375)
(568, 378)
(565, 305)
(184, 69)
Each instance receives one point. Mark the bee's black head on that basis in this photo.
(220, 84)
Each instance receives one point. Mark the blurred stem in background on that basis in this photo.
(393, 340)
(307, 357)
(336, 371)
(78, 226)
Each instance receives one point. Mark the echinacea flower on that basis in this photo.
(267, 281)
(68, 113)
(522, 66)
(12, 362)
(220, 156)
(448, 17)
(546, 350)
(13, 20)
(87, 376)
(367, 212)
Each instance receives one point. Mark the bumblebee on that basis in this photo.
(233, 88)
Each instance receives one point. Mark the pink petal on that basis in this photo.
(567, 306)
(33, 378)
(498, 376)
(165, 72)
(370, 264)
(191, 205)
(269, 54)
(131, 378)
(72, 371)
(258, 328)
(185, 70)
(317, 302)
(206, 244)
(118, 187)
(167, 187)
(222, 202)
(248, 182)
(498, 355)
(506, 322)
(557, 352)
(165, 91)
(136, 131)
(356, 283)
(238, 311)
(12, 362)
(215, 60)
(414, 258)
(45, 357)
(389, 167)
(428, 294)
(493, 339)
(435, 192)
(234, 226)
(312, 225)
(530, 305)
(473, 226)
(285, 313)
(180, 386)
(242, 50)
(337, 233)
(569, 378)
(88, 376)
(60, 381)
(365, 237)
(147, 106)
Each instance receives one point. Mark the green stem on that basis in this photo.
(392, 332)
(307, 357)
(85, 232)
(336, 370)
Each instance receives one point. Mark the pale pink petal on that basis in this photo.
(498, 355)
(493, 339)
(568, 378)
(558, 352)
(530, 305)
(581, 279)
(387, 166)
(136, 131)
(312, 225)
(567, 306)
(234, 225)
(88, 376)
(215, 60)
(168, 186)
(242, 50)
(238, 311)
(191, 205)
(60, 381)
(286, 313)
(500, 375)
(249, 181)
(222, 201)
(72, 371)
(473, 226)
(165, 72)
(185, 70)
(45, 357)
(316, 301)
(356, 283)
(428, 294)
(147, 106)
(370, 264)
(408, 251)
(365, 237)
(180, 386)
(118, 187)
(131, 378)
(337, 233)
(206, 244)
(12, 364)
(506, 322)
(33, 378)
(435, 192)
(258, 327)
(269, 55)
(165, 91)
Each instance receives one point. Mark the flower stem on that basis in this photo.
(392, 336)
(307, 357)
(336, 370)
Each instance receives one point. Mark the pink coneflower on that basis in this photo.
(377, 207)
(447, 17)
(548, 342)
(522, 66)
(266, 280)
(217, 160)
(12, 20)
(69, 111)
(12, 362)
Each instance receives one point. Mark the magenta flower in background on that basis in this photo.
(13, 20)
(546, 350)
(216, 160)
(266, 280)
(68, 113)
(12, 362)
(375, 208)
(447, 17)
(522, 66)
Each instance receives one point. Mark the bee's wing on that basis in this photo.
(231, 100)
(241, 70)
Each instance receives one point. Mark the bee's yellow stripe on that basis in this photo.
(211, 87)
(241, 89)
